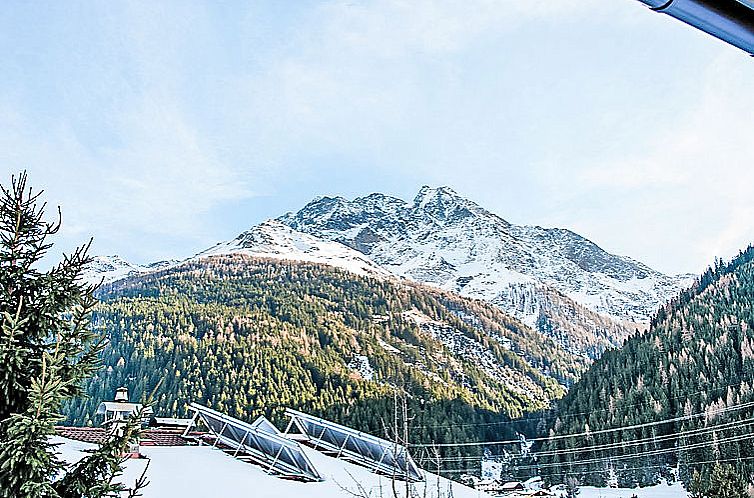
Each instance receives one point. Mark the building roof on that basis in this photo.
(261, 442)
(177, 422)
(117, 406)
(202, 471)
(98, 435)
(372, 451)
(512, 485)
(95, 435)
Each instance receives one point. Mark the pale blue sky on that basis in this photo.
(162, 128)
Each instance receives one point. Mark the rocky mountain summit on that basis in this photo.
(534, 273)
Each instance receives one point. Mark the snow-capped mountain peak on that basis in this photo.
(444, 203)
(273, 239)
(444, 239)
(107, 269)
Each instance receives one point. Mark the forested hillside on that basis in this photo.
(694, 365)
(249, 336)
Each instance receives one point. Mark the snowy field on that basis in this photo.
(659, 491)
(204, 472)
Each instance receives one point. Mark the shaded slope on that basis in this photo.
(697, 358)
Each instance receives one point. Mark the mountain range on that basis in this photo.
(552, 279)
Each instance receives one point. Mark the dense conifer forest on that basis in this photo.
(694, 365)
(249, 337)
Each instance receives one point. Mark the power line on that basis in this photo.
(652, 439)
(599, 471)
(738, 424)
(644, 454)
(622, 444)
(742, 406)
(571, 415)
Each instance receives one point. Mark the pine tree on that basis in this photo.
(572, 487)
(47, 349)
(723, 482)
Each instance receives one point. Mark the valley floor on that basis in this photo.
(660, 491)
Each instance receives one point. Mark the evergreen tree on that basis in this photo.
(572, 487)
(723, 482)
(695, 365)
(47, 349)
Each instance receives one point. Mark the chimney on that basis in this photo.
(121, 395)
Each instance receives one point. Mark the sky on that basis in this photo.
(161, 128)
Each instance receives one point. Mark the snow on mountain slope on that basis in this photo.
(270, 239)
(463, 346)
(108, 269)
(203, 471)
(273, 239)
(446, 240)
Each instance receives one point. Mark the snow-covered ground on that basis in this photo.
(660, 491)
(272, 239)
(204, 472)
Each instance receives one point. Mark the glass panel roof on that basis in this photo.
(371, 451)
(262, 441)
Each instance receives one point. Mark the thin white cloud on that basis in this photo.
(151, 173)
(358, 74)
(395, 28)
(531, 107)
(700, 169)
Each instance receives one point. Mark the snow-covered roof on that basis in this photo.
(117, 406)
(202, 471)
(512, 485)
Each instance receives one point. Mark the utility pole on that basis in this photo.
(405, 443)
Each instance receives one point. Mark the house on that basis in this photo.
(215, 454)
(512, 486)
(487, 485)
(113, 415)
(527, 494)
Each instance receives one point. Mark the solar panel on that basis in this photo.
(379, 454)
(261, 441)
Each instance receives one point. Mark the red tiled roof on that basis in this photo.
(98, 435)
(162, 437)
